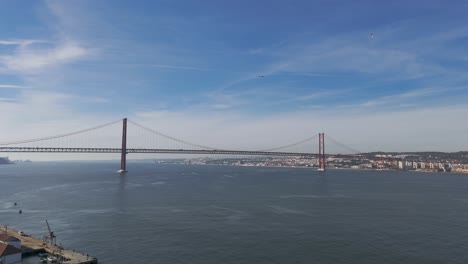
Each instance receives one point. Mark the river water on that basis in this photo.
(222, 214)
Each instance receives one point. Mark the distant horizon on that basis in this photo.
(187, 156)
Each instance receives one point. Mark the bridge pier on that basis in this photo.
(123, 154)
(321, 152)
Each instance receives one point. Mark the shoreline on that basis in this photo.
(31, 246)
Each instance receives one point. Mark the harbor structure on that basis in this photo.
(10, 240)
(33, 246)
(9, 254)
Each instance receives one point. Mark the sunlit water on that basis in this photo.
(209, 214)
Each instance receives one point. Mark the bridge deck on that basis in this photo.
(160, 151)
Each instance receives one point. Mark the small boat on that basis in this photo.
(42, 255)
(20, 212)
(52, 259)
(43, 260)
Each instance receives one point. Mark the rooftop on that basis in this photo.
(7, 238)
(6, 250)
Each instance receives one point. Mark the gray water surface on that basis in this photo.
(209, 214)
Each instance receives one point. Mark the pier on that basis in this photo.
(32, 246)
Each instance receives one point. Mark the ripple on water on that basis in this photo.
(284, 210)
(292, 196)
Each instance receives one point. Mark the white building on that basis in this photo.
(400, 165)
(9, 254)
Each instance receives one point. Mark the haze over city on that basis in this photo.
(378, 76)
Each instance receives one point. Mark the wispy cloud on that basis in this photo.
(97, 100)
(222, 101)
(409, 95)
(11, 86)
(221, 106)
(55, 50)
(238, 131)
(21, 42)
(340, 81)
(33, 60)
(388, 55)
(255, 51)
(321, 94)
(178, 67)
(349, 56)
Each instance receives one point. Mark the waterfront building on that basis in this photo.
(400, 165)
(10, 240)
(9, 254)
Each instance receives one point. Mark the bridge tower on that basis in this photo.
(321, 152)
(123, 157)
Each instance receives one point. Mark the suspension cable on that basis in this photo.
(290, 145)
(212, 148)
(342, 145)
(172, 138)
(59, 136)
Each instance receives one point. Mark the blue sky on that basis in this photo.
(191, 68)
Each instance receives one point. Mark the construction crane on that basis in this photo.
(51, 237)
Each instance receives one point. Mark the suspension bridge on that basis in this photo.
(146, 141)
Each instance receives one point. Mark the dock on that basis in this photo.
(32, 246)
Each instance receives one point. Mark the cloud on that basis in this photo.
(21, 42)
(12, 86)
(244, 112)
(97, 100)
(350, 53)
(411, 95)
(348, 56)
(36, 107)
(410, 130)
(2, 99)
(391, 54)
(320, 94)
(177, 67)
(221, 106)
(34, 56)
(390, 57)
(222, 100)
(38, 114)
(33, 60)
(255, 51)
(267, 97)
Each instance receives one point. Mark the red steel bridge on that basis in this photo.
(151, 141)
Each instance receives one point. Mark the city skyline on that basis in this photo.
(380, 77)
